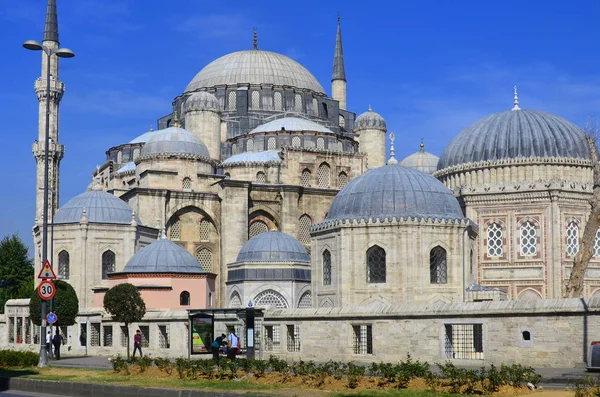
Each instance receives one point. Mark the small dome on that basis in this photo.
(291, 124)
(100, 207)
(516, 134)
(145, 136)
(163, 256)
(265, 157)
(201, 100)
(394, 191)
(255, 67)
(273, 246)
(175, 140)
(370, 120)
(423, 161)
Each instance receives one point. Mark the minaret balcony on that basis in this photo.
(55, 150)
(57, 88)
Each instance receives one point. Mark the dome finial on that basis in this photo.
(392, 160)
(255, 40)
(422, 146)
(370, 110)
(163, 236)
(175, 117)
(151, 129)
(516, 100)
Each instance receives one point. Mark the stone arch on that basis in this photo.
(266, 212)
(529, 294)
(192, 204)
(596, 293)
(326, 302)
(374, 303)
(270, 298)
(305, 300)
(235, 300)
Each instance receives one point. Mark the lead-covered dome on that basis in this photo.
(201, 100)
(516, 134)
(255, 67)
(291, 124)
(100, 207)
(370, 120)
(422, 161)
(175, 141)
(273, 246)
(163, 256)
(394, 191)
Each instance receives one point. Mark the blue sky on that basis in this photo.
(430, 68)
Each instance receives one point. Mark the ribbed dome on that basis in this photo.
(273, 246)
(255, 67)
(163, 256)
(423, 161)
(201, 100)
(100, 207)
(515, 134)
(394, 191)
(291, 124)
(369, 120)
(175, 140)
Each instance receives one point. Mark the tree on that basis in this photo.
(66, 305)
(16, 269)
(574, 287)
(125, 304)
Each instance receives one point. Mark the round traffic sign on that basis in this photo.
(51, 318)
(46, 290)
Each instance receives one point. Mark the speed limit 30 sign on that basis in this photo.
(46, 290)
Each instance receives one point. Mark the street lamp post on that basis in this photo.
(61, 53)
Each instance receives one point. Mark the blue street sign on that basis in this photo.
(51, 318)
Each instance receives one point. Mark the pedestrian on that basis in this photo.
(233, 343)
(48, 341)
(216, 345)
(137, 342)
(57, 340)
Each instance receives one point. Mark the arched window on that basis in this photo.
(205, 230)
(342, 179)
(376, 268)
(304, 229)
(278, 101)
(175, 230)
(231, 99)
(324, 175)
(227, 175)
(235, 300)
(234, 149)
(298, 103)
(529, 295)
(305, 178)
(597, 243)
(249, 145)
(187, 183)
(256, 228)
(136, 153)
(320, 143)
(494, 240)
(271, 144)
(204, 257)
(261, 177)
(325, 114)
(326, 267)
(438, 267)
(255, 104)
(108, 264)
(572, 239)
(169, 122)
(184, 298)
(270, 298)
(296, 142)
(63, 264)
(528, 239)
(210, 299)
(342, 121)
(305, 300)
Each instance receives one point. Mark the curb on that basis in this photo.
(76, 389)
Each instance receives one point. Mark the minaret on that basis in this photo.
(56, 150)
(338, 77)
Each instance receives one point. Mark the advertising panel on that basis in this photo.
(202, 334)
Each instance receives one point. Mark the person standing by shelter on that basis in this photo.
(57, 340)
(216, 345)
(233, 343)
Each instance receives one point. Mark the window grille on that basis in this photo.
(164, 342)
(324, 175)
(20, 330)
(342, 180)
(231, 99)
(305, 179)
(376, 267)
(249, 145)
(136, 154)
(27, 330)
(204, 257)
(175, 230)
(342, 121)
(463, 341)
(205, 230)
(271, 144)
(108, 264)
(320, 143)
(438, 266)
(597, 243)
(572, 239)
(270, 298)
(107, 335)
(278, 101)
(309, 144)
(11, 330)
(304, 229)
(123, 336)
(293, 338)
(145, 331)
(305, 300)
(187, 183)
(315, 107)
(63, 264)
(528, 239)
(234, 149)
(235, 301)
(363, 339)
(261, 177)
(494, 240)
(296, 142)
(95, 334)
(255, 100)
(184, 298)
(298, 103)
(256, 228)
(272, 337)
(326, 267)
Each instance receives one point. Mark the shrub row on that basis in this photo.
(14, 358)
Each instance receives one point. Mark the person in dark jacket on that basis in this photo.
(216, 345)
(57, 341)
(137, 342)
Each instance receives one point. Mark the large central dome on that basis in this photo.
(255, 67)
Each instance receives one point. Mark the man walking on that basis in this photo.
(48, 342)
(57, 340)
(137, 342)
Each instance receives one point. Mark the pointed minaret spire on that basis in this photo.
(51, 27)
(516, 100)
(392, 160)
(255, 40)
(338, 76)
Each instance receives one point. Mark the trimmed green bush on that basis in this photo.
(21, 359)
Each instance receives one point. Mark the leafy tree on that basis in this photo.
(66, 305)
(125, 304)
(16, 269)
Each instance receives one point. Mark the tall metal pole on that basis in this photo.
(52, 329)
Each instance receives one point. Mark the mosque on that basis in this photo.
(260, 189)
